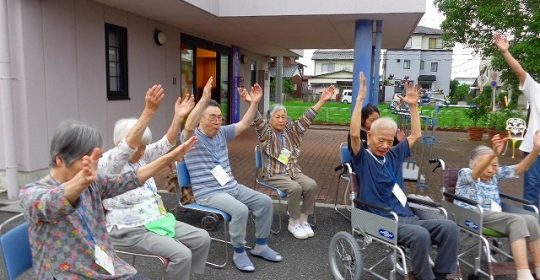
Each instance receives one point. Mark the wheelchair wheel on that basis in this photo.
(345, 257)
(210, 222)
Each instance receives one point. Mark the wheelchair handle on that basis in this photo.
(439, 162)
(423, 202)
(363, 203)
(462, 199)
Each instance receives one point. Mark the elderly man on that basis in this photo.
(213, 183)
(380, 177)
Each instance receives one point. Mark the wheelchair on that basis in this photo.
(487, 248)
(345, 251)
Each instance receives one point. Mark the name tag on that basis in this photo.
(399, 194)
(495, 207)
(103, 260)
(221, 176)
(284, 156)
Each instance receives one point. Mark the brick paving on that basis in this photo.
(320, 156)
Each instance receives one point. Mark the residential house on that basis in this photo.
(332, 67)
(423, 59)
(292, 70)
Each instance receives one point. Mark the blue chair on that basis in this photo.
(345, 165)
(15, 248)
(259, 164)
(184, 181)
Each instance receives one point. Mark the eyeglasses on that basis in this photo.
(213, 117)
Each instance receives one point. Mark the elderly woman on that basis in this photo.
(67, 229)
(137, 220)
(479, 182)
(281, 140)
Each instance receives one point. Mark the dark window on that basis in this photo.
(421, 65)
(406, 64)
(434, 66)
(116, 59)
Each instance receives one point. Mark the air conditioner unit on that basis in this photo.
(398, 60)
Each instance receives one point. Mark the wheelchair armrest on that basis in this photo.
(361, 204)
(462, 199)
(516, 199)
(423, 202)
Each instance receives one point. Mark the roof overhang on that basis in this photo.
(280, 27)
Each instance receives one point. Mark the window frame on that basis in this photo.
(437, 43)
(406, 64)
(328, 64)
(121, 63)
(436, 64)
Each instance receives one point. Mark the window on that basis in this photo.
(406, 64)
(116, 62)
(421, 65)
(435, 43)
(434, 66)
(409, 44)
(327, 67)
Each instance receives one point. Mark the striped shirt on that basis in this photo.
(290, 138)
(207, 154)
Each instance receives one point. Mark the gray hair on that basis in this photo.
(274, 109)
(72, 140)
(478, 151)
(383, 123)
(122, 128)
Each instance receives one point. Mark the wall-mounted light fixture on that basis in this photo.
(159, 37)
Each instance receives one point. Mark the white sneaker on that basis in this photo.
(307, 228)
(298, 231)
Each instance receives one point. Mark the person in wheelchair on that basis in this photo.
(281, 142)
(479, 182)
(379, 173)
(370, 113)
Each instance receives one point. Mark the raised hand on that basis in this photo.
(88, 174)
(501, 42)
(207, 91)
(362, 88)
(412, 94)
(183, 107)
(327, 93)
(153, 97)
(536, 139)
(498, 143)
(256, 93)
(184, 148)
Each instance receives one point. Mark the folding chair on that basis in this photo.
(164, 261)
(516, 131)
(346, 169)
(15, 248)
(476, 235)
(259, 180)
(184, 181)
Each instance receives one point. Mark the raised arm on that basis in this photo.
(524, 165)
(356, 118)
(411, 98)
(153, 98)
(502, 44)
(181, 110)
(497, 144)
(325, 96)
(86, 176)
(195, 116)
(252, 98)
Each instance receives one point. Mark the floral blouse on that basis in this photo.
(62, 236)
(139, 206)
(480, 191)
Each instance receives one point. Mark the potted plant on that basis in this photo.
(496, 123)
(478, 113)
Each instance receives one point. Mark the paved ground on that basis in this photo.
(308, 259)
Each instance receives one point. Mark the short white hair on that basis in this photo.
(383, 123)
(477, 152)
(122, 128)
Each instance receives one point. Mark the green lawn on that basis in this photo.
(339, 113)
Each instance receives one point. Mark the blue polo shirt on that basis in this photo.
(376, 177)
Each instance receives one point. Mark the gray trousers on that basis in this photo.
(238, 205)
(186, 252)
(516, 226)
(300, 186)
(420, 235)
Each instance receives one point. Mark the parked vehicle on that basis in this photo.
(347, 96)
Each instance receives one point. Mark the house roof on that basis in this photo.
(288, 72)
(333, 55)
(331, 73)
(427, 30)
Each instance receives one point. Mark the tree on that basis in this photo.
(473, 24)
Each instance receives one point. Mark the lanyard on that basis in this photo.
(388, 167)
(390, 171)
(206, 140)
(84, 222)
(282, 139)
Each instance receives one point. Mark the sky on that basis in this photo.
(463, 65)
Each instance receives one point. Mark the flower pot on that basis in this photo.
(476, 133)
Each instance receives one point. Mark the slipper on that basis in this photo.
(268, 254)
(243, 263)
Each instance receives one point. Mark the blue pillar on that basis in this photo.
(234, 99)
(362, 56)
(376, 64)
